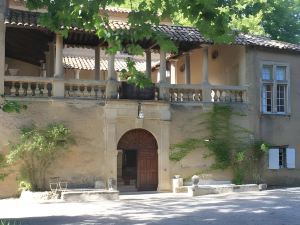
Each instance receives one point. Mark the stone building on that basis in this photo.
(129, 139)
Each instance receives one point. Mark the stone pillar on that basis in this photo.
(242, 66)
(173, 71)
(50, 60)
(164, 179)
(77, 74)
(206, 89)
(97, 63)
(2, 44)
(59, 70)
(148, 63)
(58, 82)
(112, 84)
(205, 66)
(163, 89)
(187, 71)
(163, 67)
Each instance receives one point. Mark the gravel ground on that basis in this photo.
(273, 207)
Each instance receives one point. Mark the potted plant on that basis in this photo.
(137, 85)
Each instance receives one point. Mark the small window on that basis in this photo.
(274, 89)
(281, 73)
(281, 157)
(267, 72)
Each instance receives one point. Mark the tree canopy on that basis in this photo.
(216, 19)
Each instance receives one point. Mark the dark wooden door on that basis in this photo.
(147, 160)
(147, 179)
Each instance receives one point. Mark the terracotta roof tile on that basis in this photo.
(176, 33)
(88, 63)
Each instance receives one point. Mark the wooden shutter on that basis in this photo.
(290, 158)
(274, 158)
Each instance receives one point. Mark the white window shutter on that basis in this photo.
(274, 158)
(290, 158)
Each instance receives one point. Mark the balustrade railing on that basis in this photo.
(185, 93)
(85, 89)
(19, 86)
(228, 94)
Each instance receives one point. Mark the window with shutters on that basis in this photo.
(282, 157)
(275, 88)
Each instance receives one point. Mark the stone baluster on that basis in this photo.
(29, 89)
(13, 90)
(36, 89)
(22, 90)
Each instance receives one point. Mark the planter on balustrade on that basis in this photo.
(130, 91)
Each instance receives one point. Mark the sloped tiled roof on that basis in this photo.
(246, 39)
(176, 33)
(88, 63)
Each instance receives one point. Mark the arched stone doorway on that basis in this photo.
(138, 161)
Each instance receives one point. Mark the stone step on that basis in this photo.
(127, 188)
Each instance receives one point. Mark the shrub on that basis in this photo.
(36, 150)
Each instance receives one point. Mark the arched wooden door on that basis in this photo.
(147, 159)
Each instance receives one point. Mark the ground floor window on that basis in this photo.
(281, 157)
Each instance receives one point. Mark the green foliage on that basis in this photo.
(133, 76)
(230, 144)
(3, 166)
(5, 222)
(180, 150)
(37, 149)
(214, 18)
(11, 106)
(25, 186)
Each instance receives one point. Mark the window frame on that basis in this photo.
(275, 83)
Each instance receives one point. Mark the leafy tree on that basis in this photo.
(283, 20)
(36, 150)
(214, 18)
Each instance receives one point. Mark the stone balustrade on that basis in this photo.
(185, 93)
(85, 89)
(26, 86)
(21, 86)
(228, 94)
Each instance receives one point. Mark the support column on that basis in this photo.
(206, 88)
(2, 44)
(242, 66)
(187, 71)
(77, 74)
(59, 70)
(148, 63)
(163, 89)
(50, 60)
(112, 84)
(58, 82)
(173, 71)
(97, 63)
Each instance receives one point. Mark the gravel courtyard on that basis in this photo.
(273, 207)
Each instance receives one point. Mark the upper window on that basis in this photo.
(274, 88)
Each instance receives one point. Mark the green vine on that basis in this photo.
(230, 144)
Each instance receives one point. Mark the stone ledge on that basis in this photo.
(89, 195)
(219, 189)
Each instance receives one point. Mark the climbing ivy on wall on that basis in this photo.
(230, 144)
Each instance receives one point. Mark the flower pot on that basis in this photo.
(130, 91)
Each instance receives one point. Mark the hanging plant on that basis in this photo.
(134, 76)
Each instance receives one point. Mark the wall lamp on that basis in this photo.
(140, 111)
